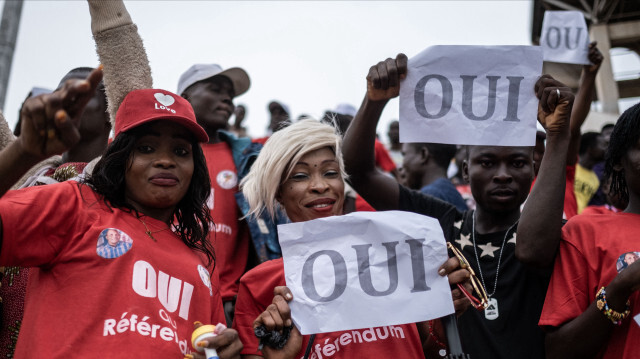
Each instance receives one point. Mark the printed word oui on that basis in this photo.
(554, 37)
(161, 107)
(468, 97)
(147, 283)
(364, 272)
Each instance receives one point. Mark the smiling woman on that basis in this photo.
(136, 230)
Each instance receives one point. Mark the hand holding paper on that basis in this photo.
(383, 80)
(556, 102)
(595, 57)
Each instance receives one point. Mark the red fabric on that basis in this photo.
(76, 298)
(261, 140)
(589, 255)
(465, 192)
(362, 205)
(383, 158)
(606, 209)
(256, 293)
(230, 244)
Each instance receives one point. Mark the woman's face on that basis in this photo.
(314, 189)
(160, 169)
(630, 258)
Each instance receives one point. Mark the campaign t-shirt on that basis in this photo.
(593, 250)
(83, 302)
(230, 241)
(256, 294)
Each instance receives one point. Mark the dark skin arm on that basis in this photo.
(540, 224)
(582, 103)
(49, 127)
(383, 84)
(585, 335)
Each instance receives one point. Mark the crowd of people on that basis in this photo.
(129, 216)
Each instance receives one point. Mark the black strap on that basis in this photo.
(309, 346)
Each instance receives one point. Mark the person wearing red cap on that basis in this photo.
(150, 187)
(210, 89)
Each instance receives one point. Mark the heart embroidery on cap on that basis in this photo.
(165, 100)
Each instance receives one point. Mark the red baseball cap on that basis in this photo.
(143, 106)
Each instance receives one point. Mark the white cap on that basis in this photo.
(199, 72)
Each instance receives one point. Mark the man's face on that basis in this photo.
(278, 116)
(412, 165)
(394, 132)
(212, 104)
(113, 237)
(499, 177)
(600, 148)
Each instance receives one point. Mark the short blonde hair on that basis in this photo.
(278, 157)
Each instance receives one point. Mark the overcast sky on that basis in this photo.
(309, 55)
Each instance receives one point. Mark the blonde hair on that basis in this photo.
(278, 157)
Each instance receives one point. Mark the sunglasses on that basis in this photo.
(480, 301)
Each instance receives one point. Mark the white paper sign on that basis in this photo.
(565, 37)
(471, 95)
(365, 269)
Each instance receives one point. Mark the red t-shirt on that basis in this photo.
(256, 294)
(230, 241)
(88, 298)
(592, 252)
(383, 158)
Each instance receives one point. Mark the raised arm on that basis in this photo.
(383, 84)
(121, 52)
(539, 230)
(582, 104)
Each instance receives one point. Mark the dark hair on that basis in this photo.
(442, 153)
(587, 141)
(192, 216)
(624, 136)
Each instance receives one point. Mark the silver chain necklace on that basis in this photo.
(475, 251)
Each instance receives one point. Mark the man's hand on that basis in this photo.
(383, 80)
(50, 122)
(554, 106)
(596, 58)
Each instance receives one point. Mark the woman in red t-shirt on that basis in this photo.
(301, 169)
(148, 191)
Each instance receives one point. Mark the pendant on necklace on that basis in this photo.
(491, 313)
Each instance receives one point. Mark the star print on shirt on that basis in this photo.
(464, 241)
(457, 224)
(488, 249)
(513, 238)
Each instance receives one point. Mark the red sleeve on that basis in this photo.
(383, 159)
(254, 296)
(571, 287)
(36, 222)
(217, 312)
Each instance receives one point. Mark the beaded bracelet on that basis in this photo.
(615, 317)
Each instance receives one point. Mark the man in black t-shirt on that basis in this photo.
(500, 178)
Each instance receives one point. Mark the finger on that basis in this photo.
(392, 70)
(402, 64)
(283, 291)
(68, 133)
(283, 309)
(228, 344)
(540, 85)
(459, 276)
(373, 78)
(449, 266)
(33, 115)
(544, 101)
(384, 75)
(80, 92)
